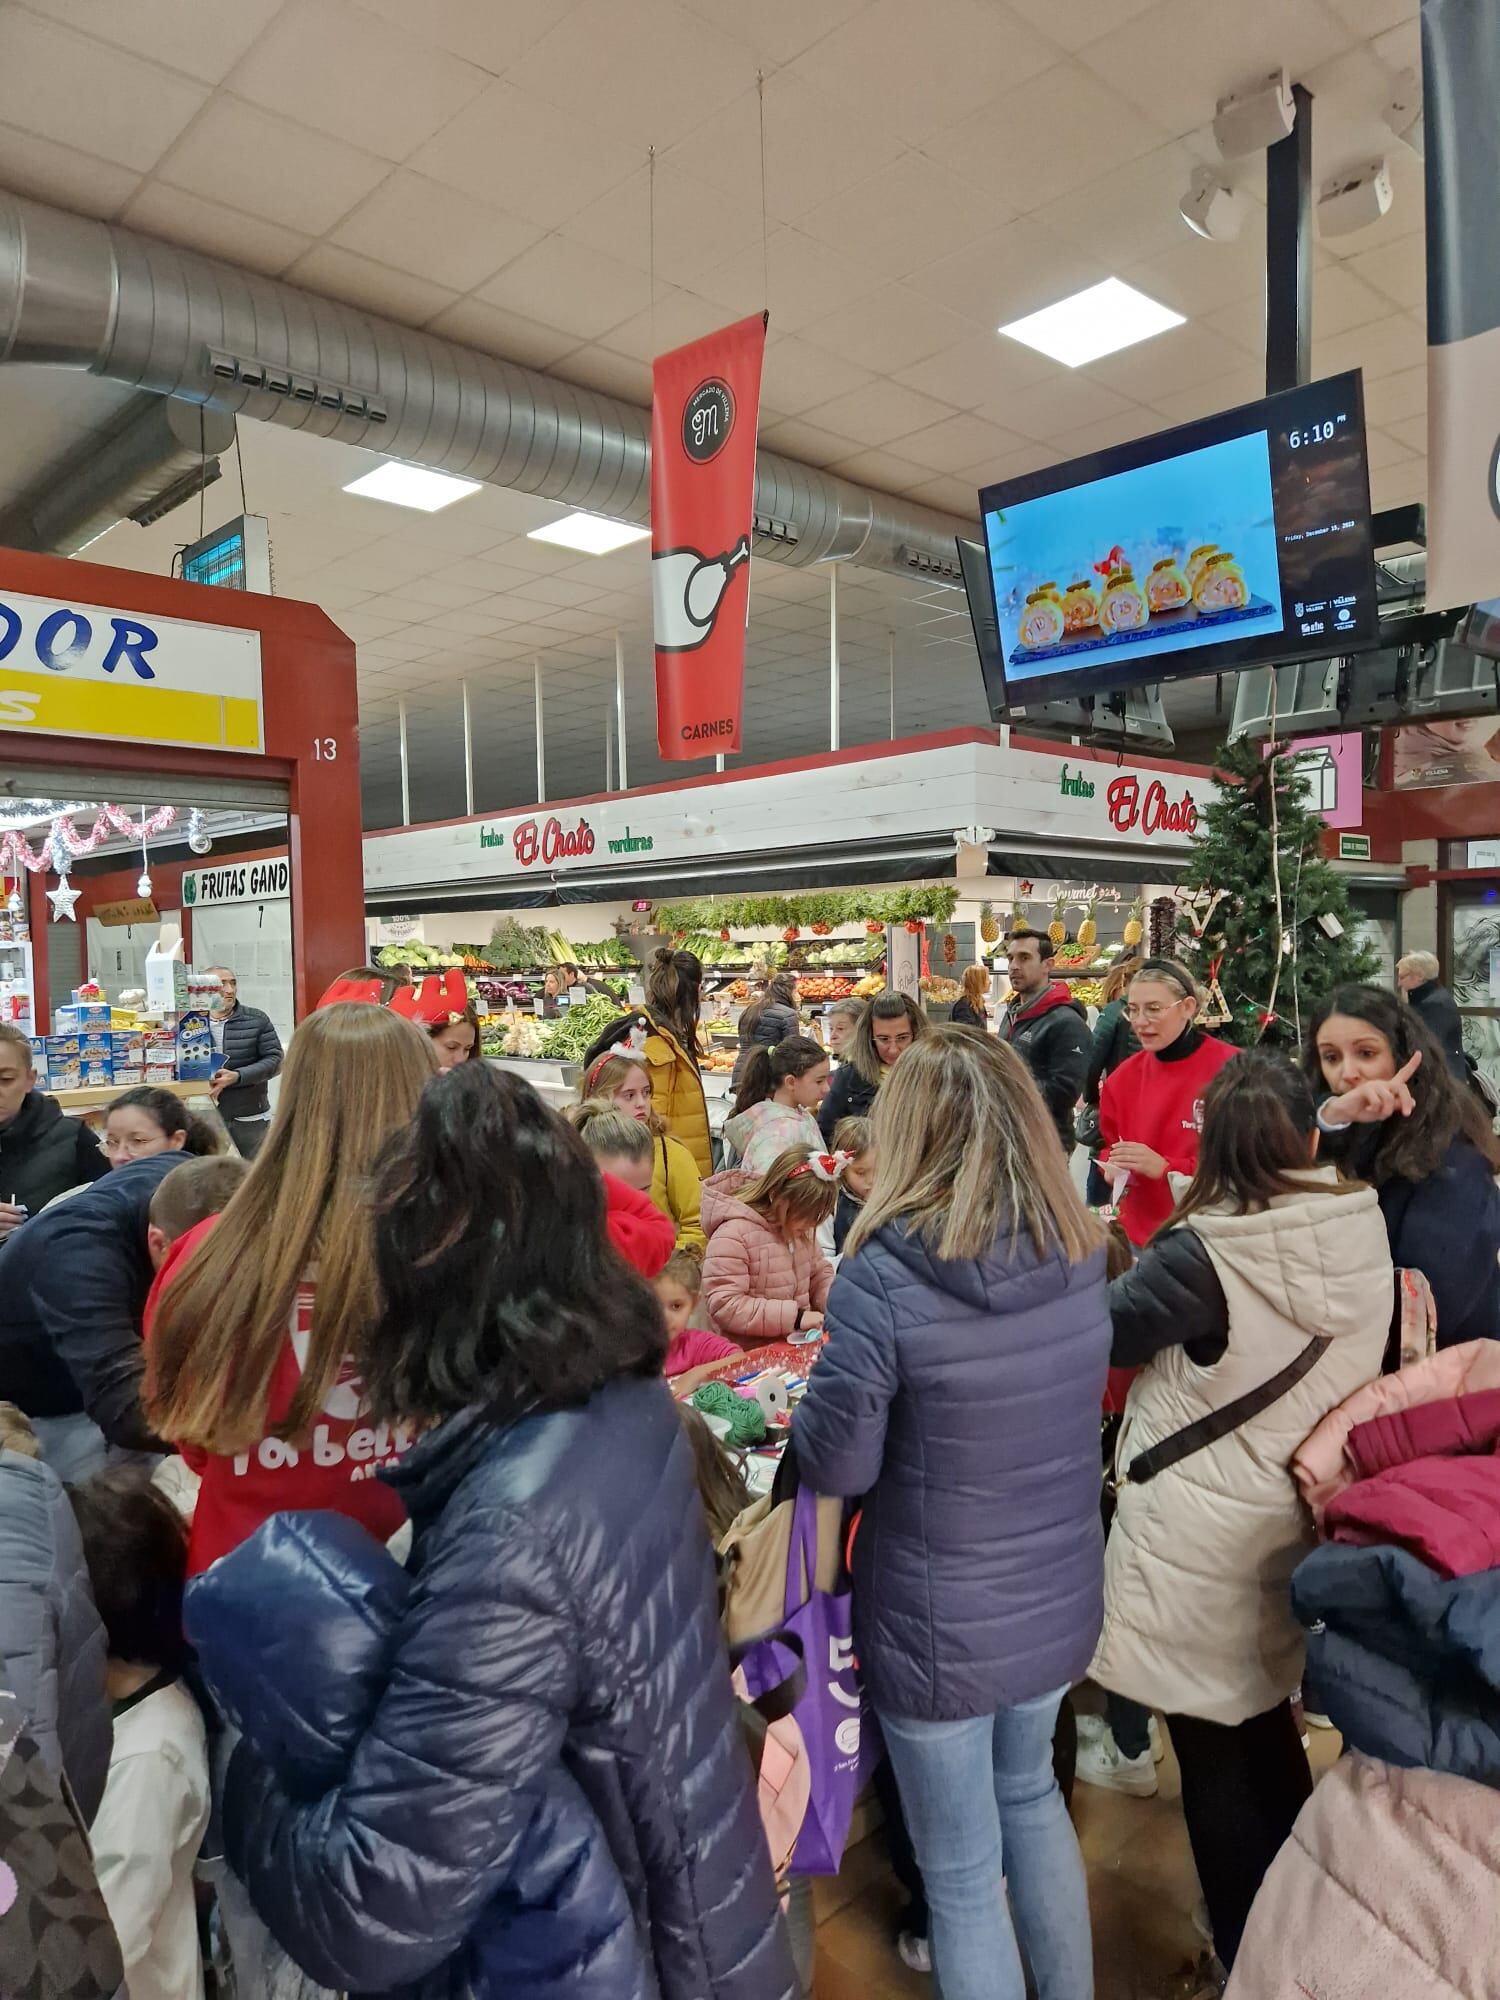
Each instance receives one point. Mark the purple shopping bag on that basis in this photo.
(832, 1714)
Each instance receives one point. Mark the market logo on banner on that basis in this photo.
(238, 882)
(704, 410)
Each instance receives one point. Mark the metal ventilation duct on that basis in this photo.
(161, 452)
(81, 294)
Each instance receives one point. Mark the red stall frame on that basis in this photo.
(310, 708)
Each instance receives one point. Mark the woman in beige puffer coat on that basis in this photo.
(1269, 1265)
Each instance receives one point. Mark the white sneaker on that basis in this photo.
(914, 1952)
(1100, 1763)
(1095, 1728)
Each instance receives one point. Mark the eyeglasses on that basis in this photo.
(1150, 1010)
(124, 1149)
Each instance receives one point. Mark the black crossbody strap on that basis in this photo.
(1220, 1423)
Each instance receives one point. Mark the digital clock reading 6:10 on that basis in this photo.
(1314, 433)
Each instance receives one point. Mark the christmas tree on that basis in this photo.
(1258, 902)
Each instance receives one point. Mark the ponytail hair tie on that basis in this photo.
(825, 1167)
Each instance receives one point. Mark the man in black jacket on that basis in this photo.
(252, 1056)
(1417, 978)
(73, 1286)
(1046, 1026)
(43, 1153)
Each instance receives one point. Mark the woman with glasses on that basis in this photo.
(143, 1122)
(1151, 1107)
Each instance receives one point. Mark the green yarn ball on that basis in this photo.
(746, 1419)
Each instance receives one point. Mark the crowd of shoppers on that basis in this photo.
(457, 1684)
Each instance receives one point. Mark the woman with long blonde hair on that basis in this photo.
(256, 1315)
(959, 1390)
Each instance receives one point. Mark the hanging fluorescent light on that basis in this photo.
(416, 486)
(1098, 321)
(590, 534)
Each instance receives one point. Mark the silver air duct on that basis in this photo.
(161, 452)
(86, 295)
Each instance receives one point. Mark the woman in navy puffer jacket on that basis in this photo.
(516, 1768)
(959, 1391)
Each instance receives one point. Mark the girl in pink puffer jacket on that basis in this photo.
(764, 1276)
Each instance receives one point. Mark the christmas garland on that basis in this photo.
(828, 906)
(63, 839)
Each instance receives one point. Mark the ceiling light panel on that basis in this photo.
(412, 486)
(590, 534)
(1092, 323)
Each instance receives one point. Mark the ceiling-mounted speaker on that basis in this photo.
(1249, 120)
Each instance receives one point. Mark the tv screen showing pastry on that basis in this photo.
(1236, 541)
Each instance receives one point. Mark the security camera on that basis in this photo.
(1354, 200)
(1211, 207)
(1250, 120)
(1403, 113)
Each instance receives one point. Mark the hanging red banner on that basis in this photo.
(705, 413)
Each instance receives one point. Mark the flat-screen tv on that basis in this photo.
(974, 565)
(1238, 541)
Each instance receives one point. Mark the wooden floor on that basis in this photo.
(1142, 1890)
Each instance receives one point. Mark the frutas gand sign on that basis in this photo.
(75, 669)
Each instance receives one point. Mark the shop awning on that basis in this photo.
(1049, 859)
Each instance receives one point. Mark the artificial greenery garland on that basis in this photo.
(824, 906)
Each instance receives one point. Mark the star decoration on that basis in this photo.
(62, 899)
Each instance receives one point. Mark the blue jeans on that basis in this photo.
(982, 1804)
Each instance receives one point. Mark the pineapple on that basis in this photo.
(1057, 930)
(989, 924)
(1088, 930)
(1018, 923)
(1134, 929)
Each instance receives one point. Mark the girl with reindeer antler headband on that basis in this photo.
(440, 1005)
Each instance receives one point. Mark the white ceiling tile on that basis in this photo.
(75, 91)
(884, 470)
(491, 33)
(957, 442)
(1383, 449)
(217, 231)
(1177, 359)
(1243, 323)
(558, 279)
(375, 288)
(984, 368)
(334, 66)
(435, 232)
(38, 167)
(906, 215)
(1373, 17)
(1245, 384)
(510, 336)
(880, 411)
(1342, 301)
(1400, 47)
(1045, 410)
(1386, 347)
(1389, 397)
(1105, 432)
(1053, 134)
(804, 441)
(1134, 204)
(618, 375)
(650, 72)
(798, 375)
(891, 329)
(205, 42)
(1180, 56)
(695, 228)
(912, 79)
(1410, 432)
(547, 163)
(955, 496)
(1395, 485)
(807, 280)
(1013, 271)
(776, 29)
(245, 158)
(1197, 276)
(815, 147)
(671, 321)
(1398, 270)
(1074, 23)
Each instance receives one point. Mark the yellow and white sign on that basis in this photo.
(86, 670)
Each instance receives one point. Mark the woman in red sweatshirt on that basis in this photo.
(1151, 1107)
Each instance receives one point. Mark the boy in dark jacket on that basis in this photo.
(73, 1286)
